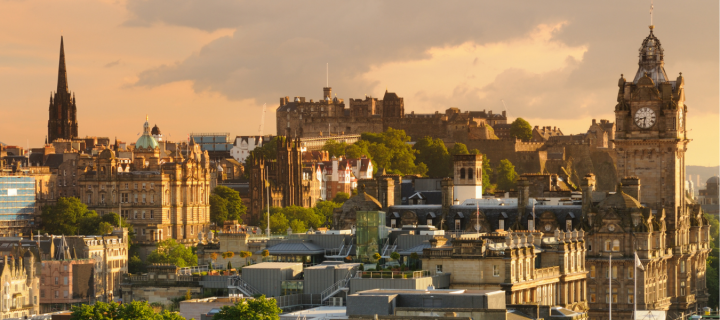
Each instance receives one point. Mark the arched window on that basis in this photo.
(470, 173)
(616, 245)
(462, 173)
(608, 245)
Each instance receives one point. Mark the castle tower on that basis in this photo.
(393, 106)
(62, 121)
(468, 176)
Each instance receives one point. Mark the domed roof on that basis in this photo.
(155, 130)
(651, 60)
(713, 180)
(146, 140)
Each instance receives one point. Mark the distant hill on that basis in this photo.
(704, 172)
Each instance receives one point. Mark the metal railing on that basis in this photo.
(186, 271)
(388, 248)
(236, 282)
(342, 252)
(337, 286)
(393, 274)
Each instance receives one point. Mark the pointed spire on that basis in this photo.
(62, 71)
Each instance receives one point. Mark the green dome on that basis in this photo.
(146, 140)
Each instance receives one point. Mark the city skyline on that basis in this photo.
(142, 58)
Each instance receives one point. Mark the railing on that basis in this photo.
(388, 248)
(191, 270)
(236, 282)
(438, 253)
(337, 286)
(547, 272)
(393, 274)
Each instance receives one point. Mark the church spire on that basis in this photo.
(62, 85)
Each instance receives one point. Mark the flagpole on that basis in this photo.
(610, 279)
(635, 289)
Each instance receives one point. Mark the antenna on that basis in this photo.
(327, 74)
(262, 119)
(505, 107)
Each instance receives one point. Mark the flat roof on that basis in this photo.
(435, 291)
(273, 265)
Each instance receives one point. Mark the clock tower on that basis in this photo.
(650, 137)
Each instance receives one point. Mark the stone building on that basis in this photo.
(528, 266)
(20, 283)
(62, 121)
(650, 212)
(162, 197)
(708, 197)
(162, 284)
(307, 119)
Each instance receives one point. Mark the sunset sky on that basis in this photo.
(208, 66)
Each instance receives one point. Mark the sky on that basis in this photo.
(209, 66)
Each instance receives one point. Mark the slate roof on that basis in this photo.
(295, 247)
(417, 249)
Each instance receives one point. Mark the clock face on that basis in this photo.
(547, 227)
(611, 227)
(645, 118)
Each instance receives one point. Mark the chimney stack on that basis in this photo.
(631, 187)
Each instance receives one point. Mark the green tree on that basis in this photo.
(64, 216)
(325, 209)
(521, 129)
(358, 150)
(265, 253)
(278, 222)
(506, 175)
(487, 172)
(218, 209)
(307, 215)
(390, 150)
(135, 265)
(298, 226)
(376, 256)
(233, 204)
(259, 308)
(459, 148)
(334, 148)
(341, 197)
(245, 255)
(111, 311)
(414, 257)
(169, 251)
(395, 256)
(434, 154)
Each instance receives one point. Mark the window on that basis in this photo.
(135, 214)
(102, 198)
(143, 214)
(568, 225)
(42, 293)
(143, 185)
(438, 268)
(124, 198)
(592, 271)
(616, 245)
(135, 198)
(126, 186)
(631, 295)
(56, 280)
(608, 245)
(65, 280)
(631, 273)
(136, 186)
(592, 298)
(89, 198)
(501, 224)
(57, 294)
(470, 173)
(682, 266)
(682, 288)
(392, 223)
(531, 225)
(496, 271)
(65, 294)
(457, 224)
(151, 214)
(143, 198)
(429, 221)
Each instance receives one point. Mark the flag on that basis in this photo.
(638, 263)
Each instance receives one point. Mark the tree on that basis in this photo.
(64, 216)
(325, 209)
(341, 197)
(334, 148)
(506, 175)
(228, 255)
(395, 256)
(259, 308)
(111, 311)
(376, 256)
(487, 173)
(135, 265)
(390, 150)
(265, 253)
(434, 154)
(231, 208)
(414, 258)
(298, 226)
(169, 251)
(188, 295)
(521, 129)
(459, 148)
(245, 254)
(278, 222)
(229, 266)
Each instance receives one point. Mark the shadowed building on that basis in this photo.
(62, 122)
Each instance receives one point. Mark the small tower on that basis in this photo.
(468, 176)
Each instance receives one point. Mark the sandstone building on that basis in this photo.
(162, 197)
(62, 122)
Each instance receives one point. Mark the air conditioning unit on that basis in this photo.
(336, 301)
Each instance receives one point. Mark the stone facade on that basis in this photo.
(161, 284)
(511, 261)
(20, 284)
(162, 198)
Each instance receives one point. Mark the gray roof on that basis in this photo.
(299, 247)
(417, 249)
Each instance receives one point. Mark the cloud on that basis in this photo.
(281, 48)
(112, 64)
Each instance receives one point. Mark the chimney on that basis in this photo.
(523, 186)
(327, 92)
(387, 193)
(631, 187)
(504, 114)
(282, 102)
(588, 186)
(593, 122)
